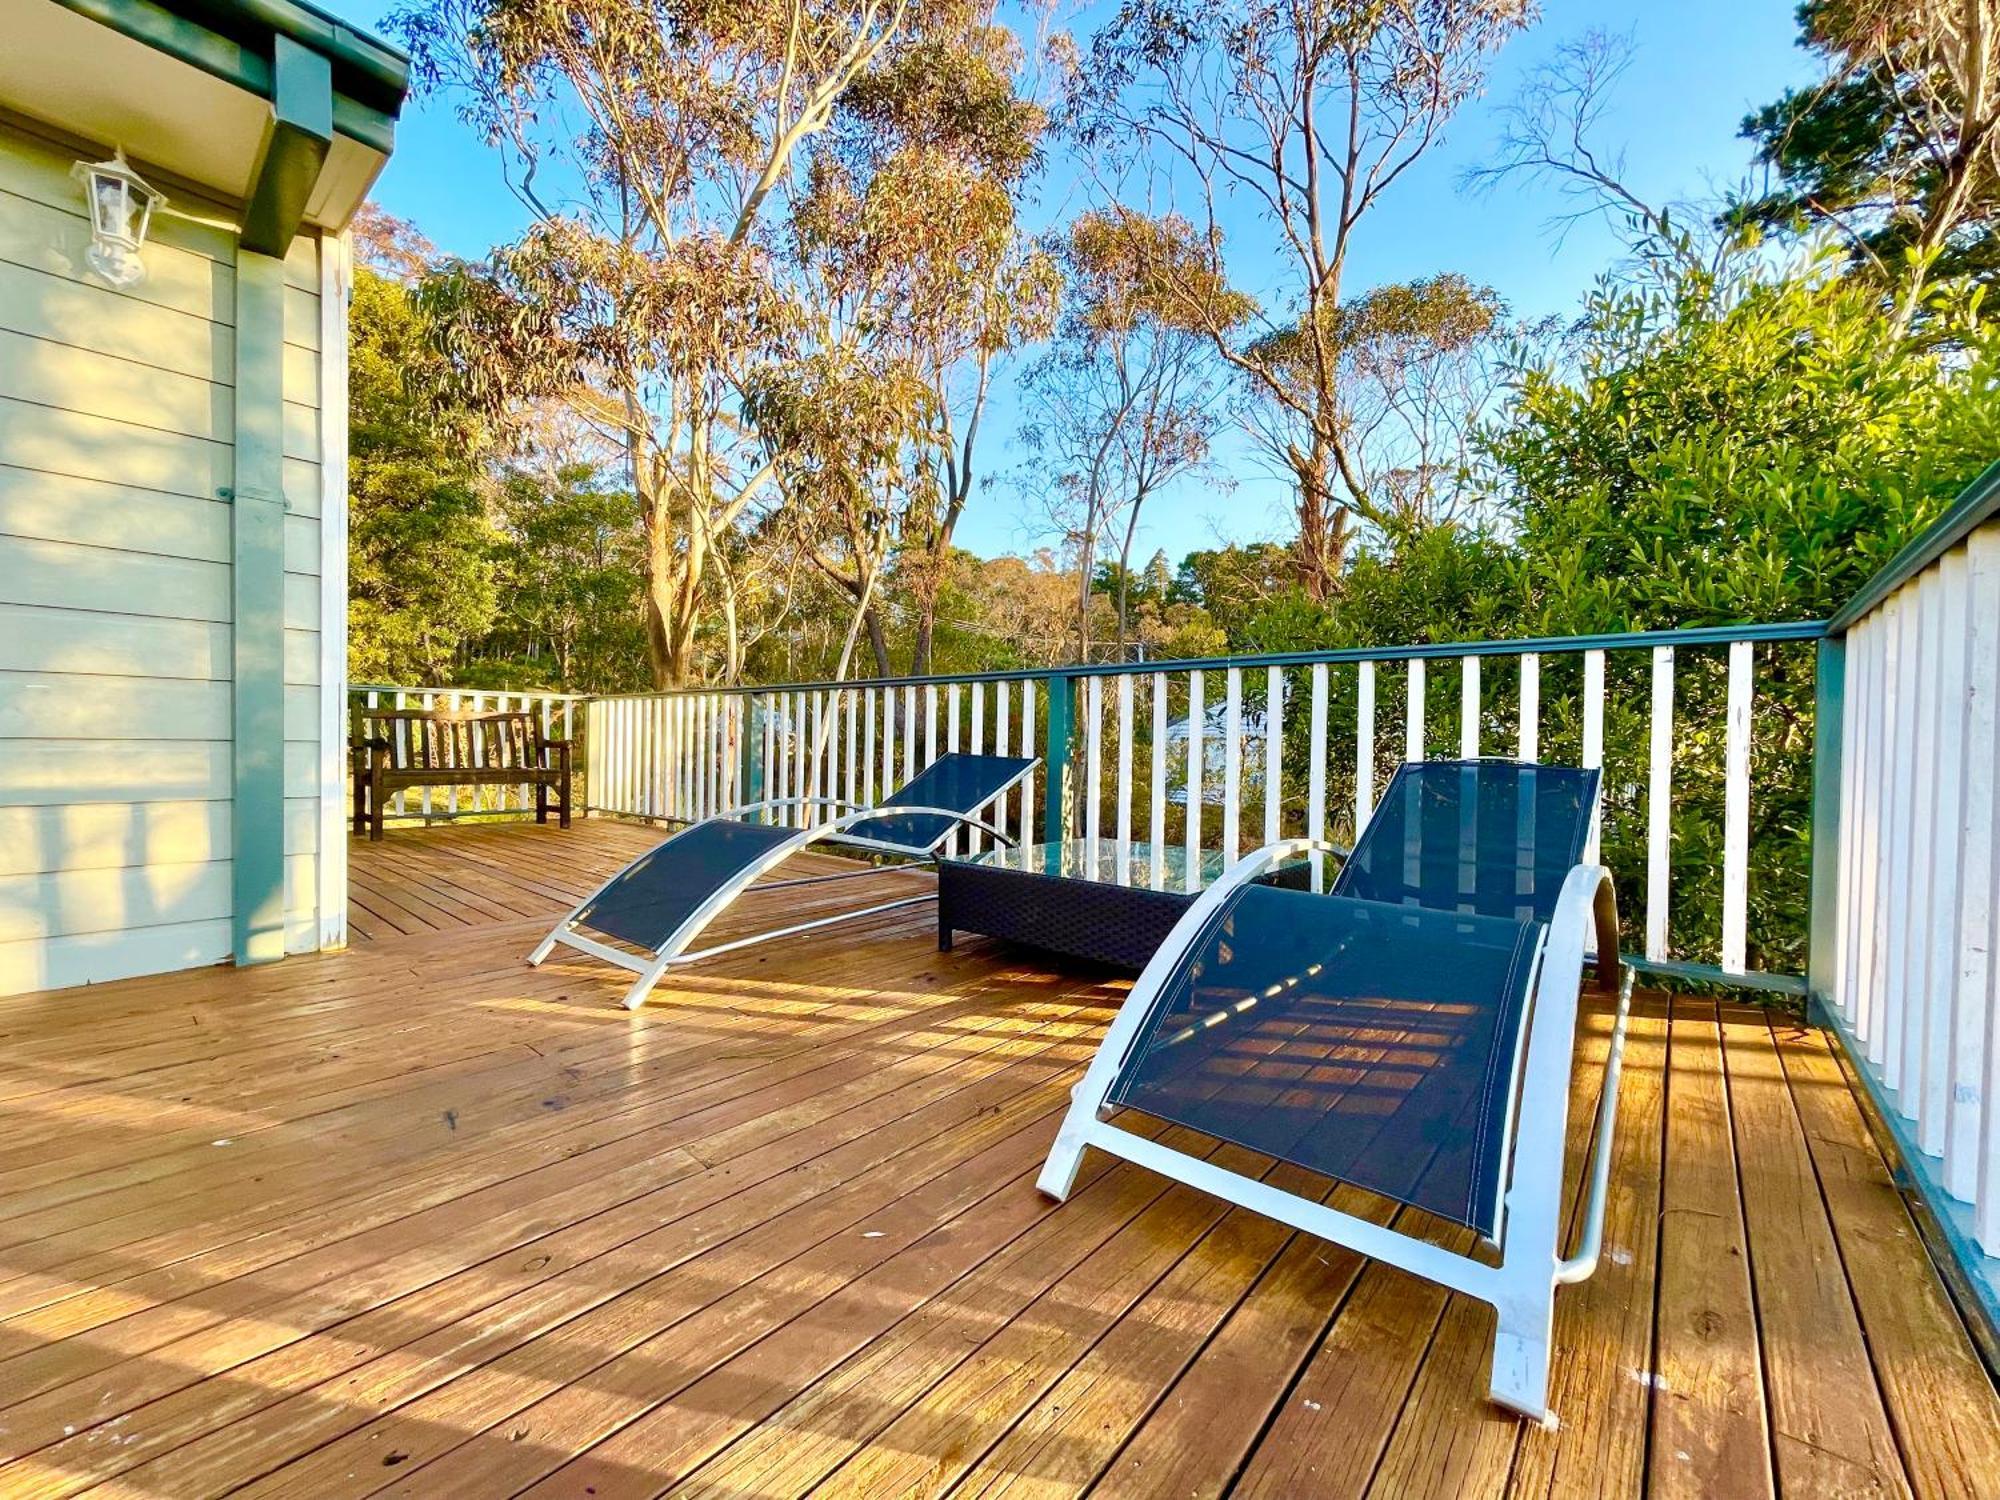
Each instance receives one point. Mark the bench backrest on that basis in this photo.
(439, 740)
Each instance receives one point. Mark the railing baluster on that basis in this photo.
(666, 730)
(1973, 1099)
(951, 743)
(1659, 802)
(1093, 758)
(1027, 829)
(1528, 743)
(1468, 708)
(1316, 772)
(779, 722)
(1003, 698)
(1196, 778)
(1274, 753)
(680, 769)
(1868, 829)
(1232, 763)
(1971, 1172)
(930, 723)
(869, 740)
(975, 840)
(1915, 895)
(1413, 713)
(1593, 738)
(909, 734)
(1736, 810)
(719, 757)
(774, 755)
(1157, 828)
(708, 753)
(656, 786)
(1896, 823)
(1364, 747)
(1950, 852)
(1125, 778)
(1881, 873)
(851, 706)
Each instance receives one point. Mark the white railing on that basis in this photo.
(557, 713)
(679, 757)
(1229, 755)
(1915, 981)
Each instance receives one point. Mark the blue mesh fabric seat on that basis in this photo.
(1409, 1034)
(1371, 1043)
(1492, 837)
(665, 898)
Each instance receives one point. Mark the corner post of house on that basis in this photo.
(1060, 694)
(297, 137)
(1829, 707)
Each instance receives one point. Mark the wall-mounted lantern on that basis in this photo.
(121, 210)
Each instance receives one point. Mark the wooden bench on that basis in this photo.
(395, 749)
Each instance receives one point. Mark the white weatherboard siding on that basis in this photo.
(1917, 981)
(116, 457)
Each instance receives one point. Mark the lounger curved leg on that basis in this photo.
(1531, 1259)
(674, 949)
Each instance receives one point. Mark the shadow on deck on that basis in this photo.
(419, 1219)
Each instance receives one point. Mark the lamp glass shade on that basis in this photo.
(121, 212)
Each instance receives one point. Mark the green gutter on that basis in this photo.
(356, 61)
(1978, 503)
(385, 67)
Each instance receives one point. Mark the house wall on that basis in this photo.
(116, 464)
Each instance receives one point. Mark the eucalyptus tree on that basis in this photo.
(1419, 365)
(658, 146)
(906, 240)
(1897, 147)
(1307, 112)
(1129, 396)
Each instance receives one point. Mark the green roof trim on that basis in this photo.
(234, 40)
(1976, 504)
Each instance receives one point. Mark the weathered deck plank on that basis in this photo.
(417, 1219)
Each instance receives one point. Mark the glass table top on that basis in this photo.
(1144, 865)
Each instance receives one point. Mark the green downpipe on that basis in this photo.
(257, 574)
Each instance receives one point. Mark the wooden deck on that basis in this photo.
(416, 1219)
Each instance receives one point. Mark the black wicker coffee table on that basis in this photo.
(1090, 899)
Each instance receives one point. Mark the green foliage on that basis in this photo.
(420, 570)
(570, 572)
(1749, 450)
(1746, 451)
(1893, 148)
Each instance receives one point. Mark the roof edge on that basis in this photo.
(370, 78)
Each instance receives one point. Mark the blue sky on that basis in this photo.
(1699, 65)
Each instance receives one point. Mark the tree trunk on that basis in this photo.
(1125, 569)
(1086, 556)
(1322, 523)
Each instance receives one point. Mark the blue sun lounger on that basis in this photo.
(1409, 1033)
(662, 901)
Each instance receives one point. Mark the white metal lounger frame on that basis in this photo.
(1521, 1288)
(672, 951)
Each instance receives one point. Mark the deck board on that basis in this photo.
(416, 1219)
